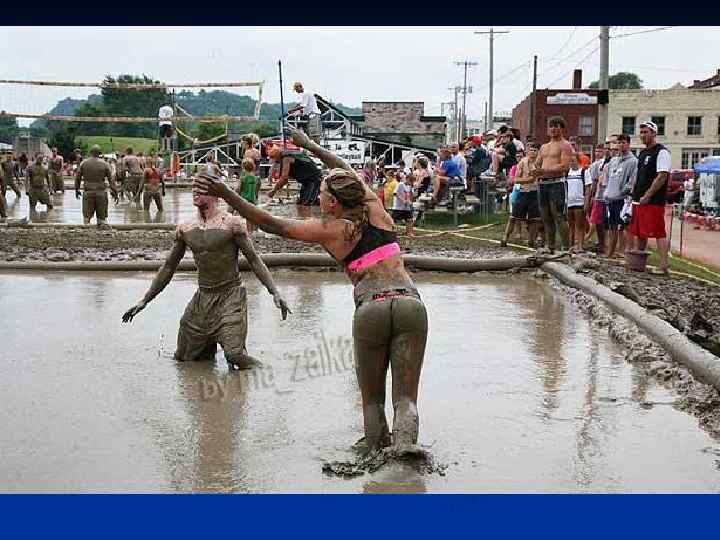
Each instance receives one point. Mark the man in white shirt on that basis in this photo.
(459, 158)
(165, 115)
(308, 108)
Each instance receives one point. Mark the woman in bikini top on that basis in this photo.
(390, 320)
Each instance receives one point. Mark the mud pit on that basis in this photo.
(519, 393)
(68, 209)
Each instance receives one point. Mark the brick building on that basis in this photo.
(577, 105)
(402, 122)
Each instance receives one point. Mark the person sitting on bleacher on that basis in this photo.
(447, 175)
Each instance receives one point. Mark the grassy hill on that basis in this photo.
(119, 144)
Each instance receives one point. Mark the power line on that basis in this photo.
(567, 41)
(576, 65)
(643, 32)
(568, 57)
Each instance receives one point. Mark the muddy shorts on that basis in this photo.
(41, 196)
(95, 202)
(3, 210)
(148, 197)
(309, 193)
(132, 182)
(526, 206)
(213, 316)
(166, 130)
(551, 196)
(56, 181)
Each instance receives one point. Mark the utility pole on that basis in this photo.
(532, 98)
(464, 63)
(456, 116)
(492, 33)
(486, 117)
(603, 83)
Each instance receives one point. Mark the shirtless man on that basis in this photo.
(152, 188)
(10, 175)
(38, 184)
(133, 171)
(218, 311)
(551, 166)
(93, 172)
(526, 206)
(55, 167)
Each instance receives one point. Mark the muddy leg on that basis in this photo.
(371, 336)
(407, 350)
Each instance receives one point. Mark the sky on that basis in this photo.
(349, 64)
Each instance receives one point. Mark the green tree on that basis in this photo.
(621, 81)
(62, 136)
(8, 128)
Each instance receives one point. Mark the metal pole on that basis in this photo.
(282, 106)
(492, 33)
(603, 83)
(492, 58)
(457, 117)
(486, 116)
(464, 116)
(532, 98)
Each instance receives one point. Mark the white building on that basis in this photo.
(688, 120)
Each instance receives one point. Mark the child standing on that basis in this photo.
(249, 186)
(577, 180)
(402, 209)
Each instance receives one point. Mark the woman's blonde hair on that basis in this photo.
(349, 191)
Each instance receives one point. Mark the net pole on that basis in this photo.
(282, 106)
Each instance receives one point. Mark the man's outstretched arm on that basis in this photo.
(162, 278)
(260, 270)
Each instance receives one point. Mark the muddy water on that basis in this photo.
(68, 209)
(519, 394)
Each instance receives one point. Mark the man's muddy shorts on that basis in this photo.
(56, 180)
(132, 182)
(166, 130)
(309, 193)
(41, 196)
(526, 206)
(95, 202)
(552, 195)
(217, 315)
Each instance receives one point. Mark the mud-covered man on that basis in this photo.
(38, 185)
(217, 313)
(132, 167)
(55, 167)
(92, 174)
(551, 167)
(10, 172)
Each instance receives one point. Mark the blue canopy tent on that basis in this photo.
(709, 165)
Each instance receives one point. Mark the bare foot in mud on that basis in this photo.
(413, 455)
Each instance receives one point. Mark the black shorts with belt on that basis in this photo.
(309, 192)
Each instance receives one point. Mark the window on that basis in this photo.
(716, 151)
(691, 156)
(585, 126)
(660, 123)
(586, 149)
(628, 125)
(694, 126)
